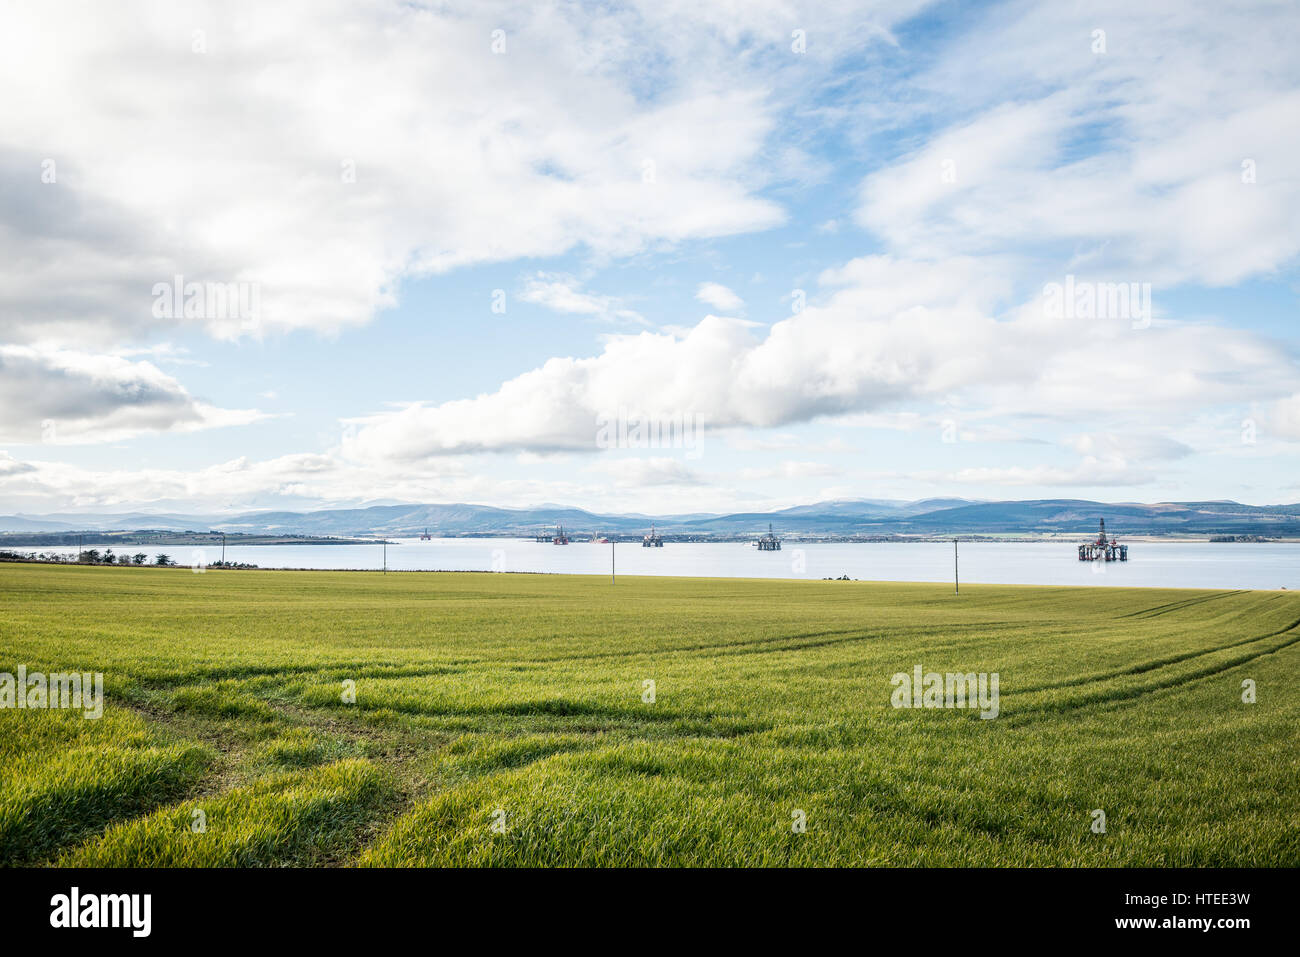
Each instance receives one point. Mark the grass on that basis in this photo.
(499, 720)
(64, 778)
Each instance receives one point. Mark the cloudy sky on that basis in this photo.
(325, 253)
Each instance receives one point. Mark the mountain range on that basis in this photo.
(847, 518)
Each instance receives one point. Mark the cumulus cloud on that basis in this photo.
(323, 166)
(9, 466)
(63, 397)
(326, 150)
(891, 331)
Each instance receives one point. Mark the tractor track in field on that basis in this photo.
(688, 649)
(752, 647)
(1159, 610)
(410, 789)
(1132, 694)
(412, 785)
(350, 670)
(851, 636)
(1157, 663)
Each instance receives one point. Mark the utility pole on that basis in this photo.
(385, 556)
(956, 581)
(223, 548)
(611, 561)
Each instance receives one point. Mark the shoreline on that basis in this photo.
(41, 540)
(603, 577)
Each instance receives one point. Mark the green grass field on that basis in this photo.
(517, 700)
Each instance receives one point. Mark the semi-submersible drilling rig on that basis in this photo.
(1103, 550)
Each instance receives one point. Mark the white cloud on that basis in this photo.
(9, 466)
(325, 150)
(314, 481)
(61, 397)
(893, 331)
(611, 132)
(648, 472)
(1128, 163)
(1144, 448)
(1283, 418)
(1107, 459)
(789, 470)
(563, 293)
(238, 480)
(719, 297)
(1089, 473)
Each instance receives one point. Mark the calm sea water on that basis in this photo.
(1159, 564)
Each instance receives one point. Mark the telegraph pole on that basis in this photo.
(223, 548)
(385, 556)
(611, 561)
(956, 581)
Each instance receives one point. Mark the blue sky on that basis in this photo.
(826, 233)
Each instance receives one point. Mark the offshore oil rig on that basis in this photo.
(653, 540)
(426, 537)
(769, 542)
(1103, 549)
(559, 538)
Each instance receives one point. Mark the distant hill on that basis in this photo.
(71, 521)
(1054, 516)
(845, 518)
